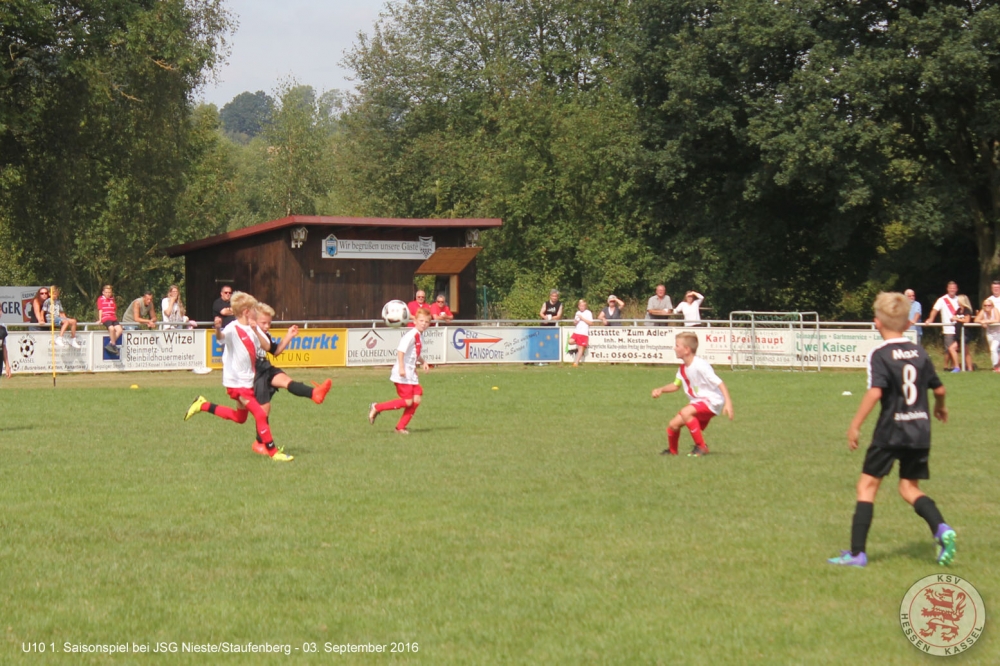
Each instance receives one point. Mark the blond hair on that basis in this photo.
(893, 310)
(241, 302)
(689, 339)
(964, 301)
(265, 309)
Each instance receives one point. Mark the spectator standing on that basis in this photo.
(52, 310)
(584, 319)
(612, 312)
(140, 311)
(690, 307)
(552, 309)
(964, 335)
(947, 306)
(173, 309)
(36, 316)
(440, 311)
(107, 315)
(659, 306)
(989, 317)
(222, 311)
(3, 347)
(916, 313)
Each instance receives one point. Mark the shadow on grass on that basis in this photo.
(920, 551)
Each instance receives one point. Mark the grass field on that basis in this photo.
(530, 524)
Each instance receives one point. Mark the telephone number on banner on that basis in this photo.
(627, 356)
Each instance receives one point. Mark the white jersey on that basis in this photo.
(700, 383)
(410, 345)
(691, 311)
(947, 313)
(582, 327)
(237, 359)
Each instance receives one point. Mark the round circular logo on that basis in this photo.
(942, 615)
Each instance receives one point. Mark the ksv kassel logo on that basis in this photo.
(942, 615)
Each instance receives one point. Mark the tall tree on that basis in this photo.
(247, 114)
(95, 103)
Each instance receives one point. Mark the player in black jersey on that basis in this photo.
(899, 375)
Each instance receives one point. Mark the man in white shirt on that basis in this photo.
(948, 306)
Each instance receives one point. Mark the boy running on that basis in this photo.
(404, 374)
(241, 340)
(899, 375)
(707, 394)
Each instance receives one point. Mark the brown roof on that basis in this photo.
(448, 261)
(324, 221)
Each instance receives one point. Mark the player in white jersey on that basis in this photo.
(707, 396)
(404, 374)
(241, 342)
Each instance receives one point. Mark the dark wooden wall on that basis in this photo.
(300, 284)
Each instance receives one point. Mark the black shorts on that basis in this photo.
(110, 322)
(262, 389)
(912, 462)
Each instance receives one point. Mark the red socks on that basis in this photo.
(398, 403)
(240, 416)
(673, 437)
(407, 415)
(696, 435)
(223, 412)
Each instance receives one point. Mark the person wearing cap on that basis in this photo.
(690, 307)
(552, 309)
(611, 314)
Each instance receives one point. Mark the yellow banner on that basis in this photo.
(311, 348)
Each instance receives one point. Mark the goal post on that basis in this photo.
(774, 340)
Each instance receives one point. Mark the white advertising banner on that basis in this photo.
(377, 346)
(511, 344)
(179, 349)
(621, 344)
(349, 248)
(31, 352)
(15, 304)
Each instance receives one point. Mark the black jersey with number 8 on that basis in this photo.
(905, 373)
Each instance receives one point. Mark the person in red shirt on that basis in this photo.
(440, 311)
(420, 301)
(107, 314)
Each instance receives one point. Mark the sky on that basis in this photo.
(304, 39)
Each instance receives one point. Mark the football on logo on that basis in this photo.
(943, 615)
(26, 346)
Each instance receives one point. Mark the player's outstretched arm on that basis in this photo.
(669, 388)
(285, 341)
(932, 317)
(940, 411)
(218, 330)
(871, 398)
(728, 408)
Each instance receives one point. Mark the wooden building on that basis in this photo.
(312, 267)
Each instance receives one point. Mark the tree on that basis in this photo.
(247, 114)
(95, 101)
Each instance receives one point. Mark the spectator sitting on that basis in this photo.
(989, 317)
(140, 311)
(222, 312)
(173, 310)
(690, 307)
(659, 306)
(107, 315)
(612, 312)
(552, 309)
(440, 312)
(36, 309)
(52, 308)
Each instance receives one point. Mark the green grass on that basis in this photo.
(530, 524)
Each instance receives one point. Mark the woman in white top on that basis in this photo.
(690, 308)
(583, 319)
(989, 317)
(173, 309)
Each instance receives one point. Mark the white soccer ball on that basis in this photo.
(395, 313)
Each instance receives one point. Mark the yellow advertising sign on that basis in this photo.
(311, 348)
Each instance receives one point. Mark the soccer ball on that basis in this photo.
(395, 313)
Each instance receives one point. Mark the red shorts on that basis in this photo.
(579, 340)
(237, 393)
(703, 414)
(407, 391)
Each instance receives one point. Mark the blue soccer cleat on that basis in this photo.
(846, 559)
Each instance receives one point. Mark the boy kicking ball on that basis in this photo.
(404, 374)
(899, 375)
(707, 394)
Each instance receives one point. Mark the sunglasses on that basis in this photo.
(226, 293)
